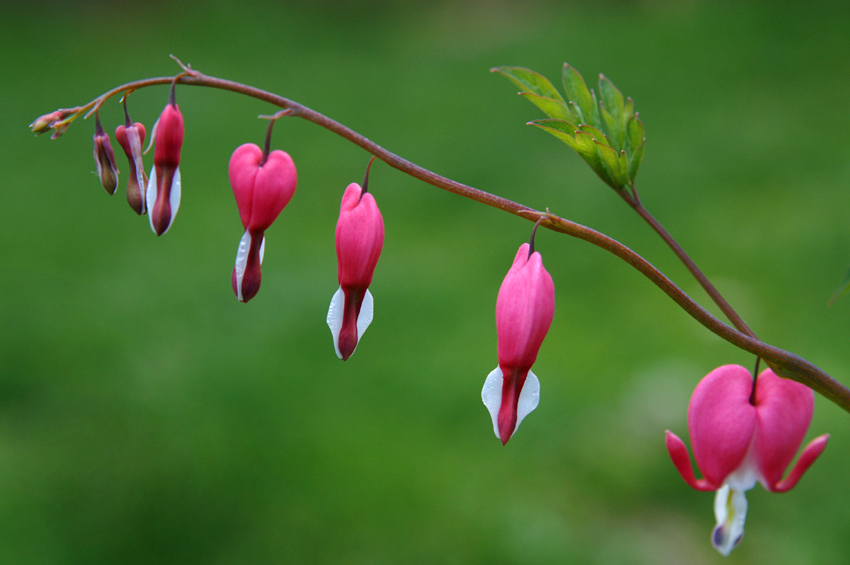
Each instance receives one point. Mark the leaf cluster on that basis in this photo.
(606, 133)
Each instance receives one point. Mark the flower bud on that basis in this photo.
(45, 123)
(524, 311)
(262, 189)
(131, 137)
(359, 240)
(104, 159)
(163, 191)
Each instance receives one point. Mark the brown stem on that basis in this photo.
(782, 362)
(706, 284)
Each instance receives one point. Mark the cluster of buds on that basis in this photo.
(56, 121)
(160, 196)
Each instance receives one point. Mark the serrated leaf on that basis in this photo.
(636, 133)
(611, 97)
(634, 161)
(577, 92)
(530, 81)
(550, 106)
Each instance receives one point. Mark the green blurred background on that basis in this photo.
(147, 417)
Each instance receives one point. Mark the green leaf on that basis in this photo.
(577, 92)
(551, 107)
(624, 166)
(612, 162)
(634, 161)
(530, 81)
(629, 109)
(612, 98)
(590, 153)
(615, 129)
(577, 113)
(636, 133)
(563, 130)
(596, 133)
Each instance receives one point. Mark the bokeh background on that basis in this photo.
(148, 417)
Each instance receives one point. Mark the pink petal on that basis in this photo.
(359, 238)
(682, 461)
(524, 310)
(273, 189)
(722, 421)
(809, 455)
(784, 409)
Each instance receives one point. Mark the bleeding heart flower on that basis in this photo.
(359, 240)
(524, 311)
(163, 192)
(262, 187)
(741, 436)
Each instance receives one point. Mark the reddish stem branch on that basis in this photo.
(783, 362)
(706, 284)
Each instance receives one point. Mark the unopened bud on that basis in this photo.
(131, 137)
(104, 158)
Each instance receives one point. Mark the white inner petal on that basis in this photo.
(365, 316)
(529, 398)
(491, 395)
(242, 261)
(150, 195)
(335, 317)
(730, 510)
(175, 197)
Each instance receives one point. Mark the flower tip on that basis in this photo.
(506, 419)
(348, 318)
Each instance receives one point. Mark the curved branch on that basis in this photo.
(782, 362)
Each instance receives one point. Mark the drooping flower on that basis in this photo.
(741, 436)
(262, 187)
(104, 158)
(163, 191)
(524, 311)
(131, 136)
(359, 240)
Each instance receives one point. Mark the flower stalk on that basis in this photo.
(784, 363)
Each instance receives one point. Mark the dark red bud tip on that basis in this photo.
(347, 341)
(250, 284)
(161, 216)
(507, 419)
(348, 332)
